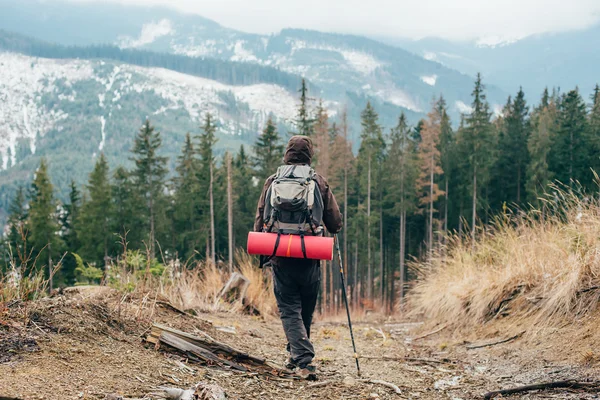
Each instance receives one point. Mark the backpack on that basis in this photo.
(293, 204)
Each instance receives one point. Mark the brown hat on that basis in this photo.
(299, 150)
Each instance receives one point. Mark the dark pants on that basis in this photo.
(297, 283)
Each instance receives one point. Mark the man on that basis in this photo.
(297, 280)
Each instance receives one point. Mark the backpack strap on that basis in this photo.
(266, 259)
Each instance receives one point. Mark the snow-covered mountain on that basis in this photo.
(102, 68)
(561, 60)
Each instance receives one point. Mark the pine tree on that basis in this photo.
(570, 155)
(401, 182)
(594, 129)
(429, 160)
(510, 170)
(475, 141)
(18, 231)
(70, 234)
(206, 178)
(95, 221)
(304, 122)
(268, 152)
(245, 196)
(369, 159)
(322, 141)
(43, 220)
(128, 208)
(446, 149)
(150, 171)
(186, 222)
(543, 131)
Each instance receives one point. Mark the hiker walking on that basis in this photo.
(297, 201)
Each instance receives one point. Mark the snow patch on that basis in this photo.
(205, 48)
(429, 55)
(397, 97)
(463, 108)
(150, 32)
(242, 54)
(429, 79)
(103, 132)
(494, 41)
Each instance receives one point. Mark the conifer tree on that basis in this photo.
(149, 174)
(401, 182)
(304, 121)
(18, 231)
(510, 171)
(95, 230)
(128, 209)
(43, 221)
(594, 130)
(245, 196)
(429, 166)
(186, 222)
(322, 141)
(543, 130)
(370, 156)
(70, 234)
(475, 141)
(268, 152)
(446, 149)
(570, 155)
(206, 178)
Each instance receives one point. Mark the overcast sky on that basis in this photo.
(451, 19)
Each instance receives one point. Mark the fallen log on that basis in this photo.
(545, 386)
(510, 339)
(208, 350)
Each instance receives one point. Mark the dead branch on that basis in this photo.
(510, 339)
(411, 359)
(431, 333)
(395, 388)
(544, 386)
(383, 383)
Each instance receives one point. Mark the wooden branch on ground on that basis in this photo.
(510, 339)
(545, 386)
(589, 289)
(431, 333)
(395, 388)
(411, 359)
(208, 350)
(235, 289)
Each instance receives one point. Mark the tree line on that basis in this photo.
(401, 193)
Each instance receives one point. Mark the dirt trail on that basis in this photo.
(88, 344)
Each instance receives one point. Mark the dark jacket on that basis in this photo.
(299, 151)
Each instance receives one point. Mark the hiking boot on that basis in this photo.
(290, 364)
(308, 372)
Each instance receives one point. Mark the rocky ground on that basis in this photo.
(88, 344)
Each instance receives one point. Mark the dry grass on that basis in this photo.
(195, 286)
(542, 265)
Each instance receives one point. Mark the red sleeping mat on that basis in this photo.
(317, 247)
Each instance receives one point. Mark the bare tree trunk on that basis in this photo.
(402, 256)
(151, 244)
(519, 185)
(212, 217)
(50, 280)
(369, 266)
(446, 211)
(229, 213)
(474, 222)
(345, 214)
(381, 274)
(430, 228)
(356, 286)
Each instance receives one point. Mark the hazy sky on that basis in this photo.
(452, 19)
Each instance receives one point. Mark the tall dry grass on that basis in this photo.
(542, 264)
(194, 285)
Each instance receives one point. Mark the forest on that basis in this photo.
(402, 194)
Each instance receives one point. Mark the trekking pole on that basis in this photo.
(337, 245)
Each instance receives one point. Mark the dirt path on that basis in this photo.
(87, 346)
